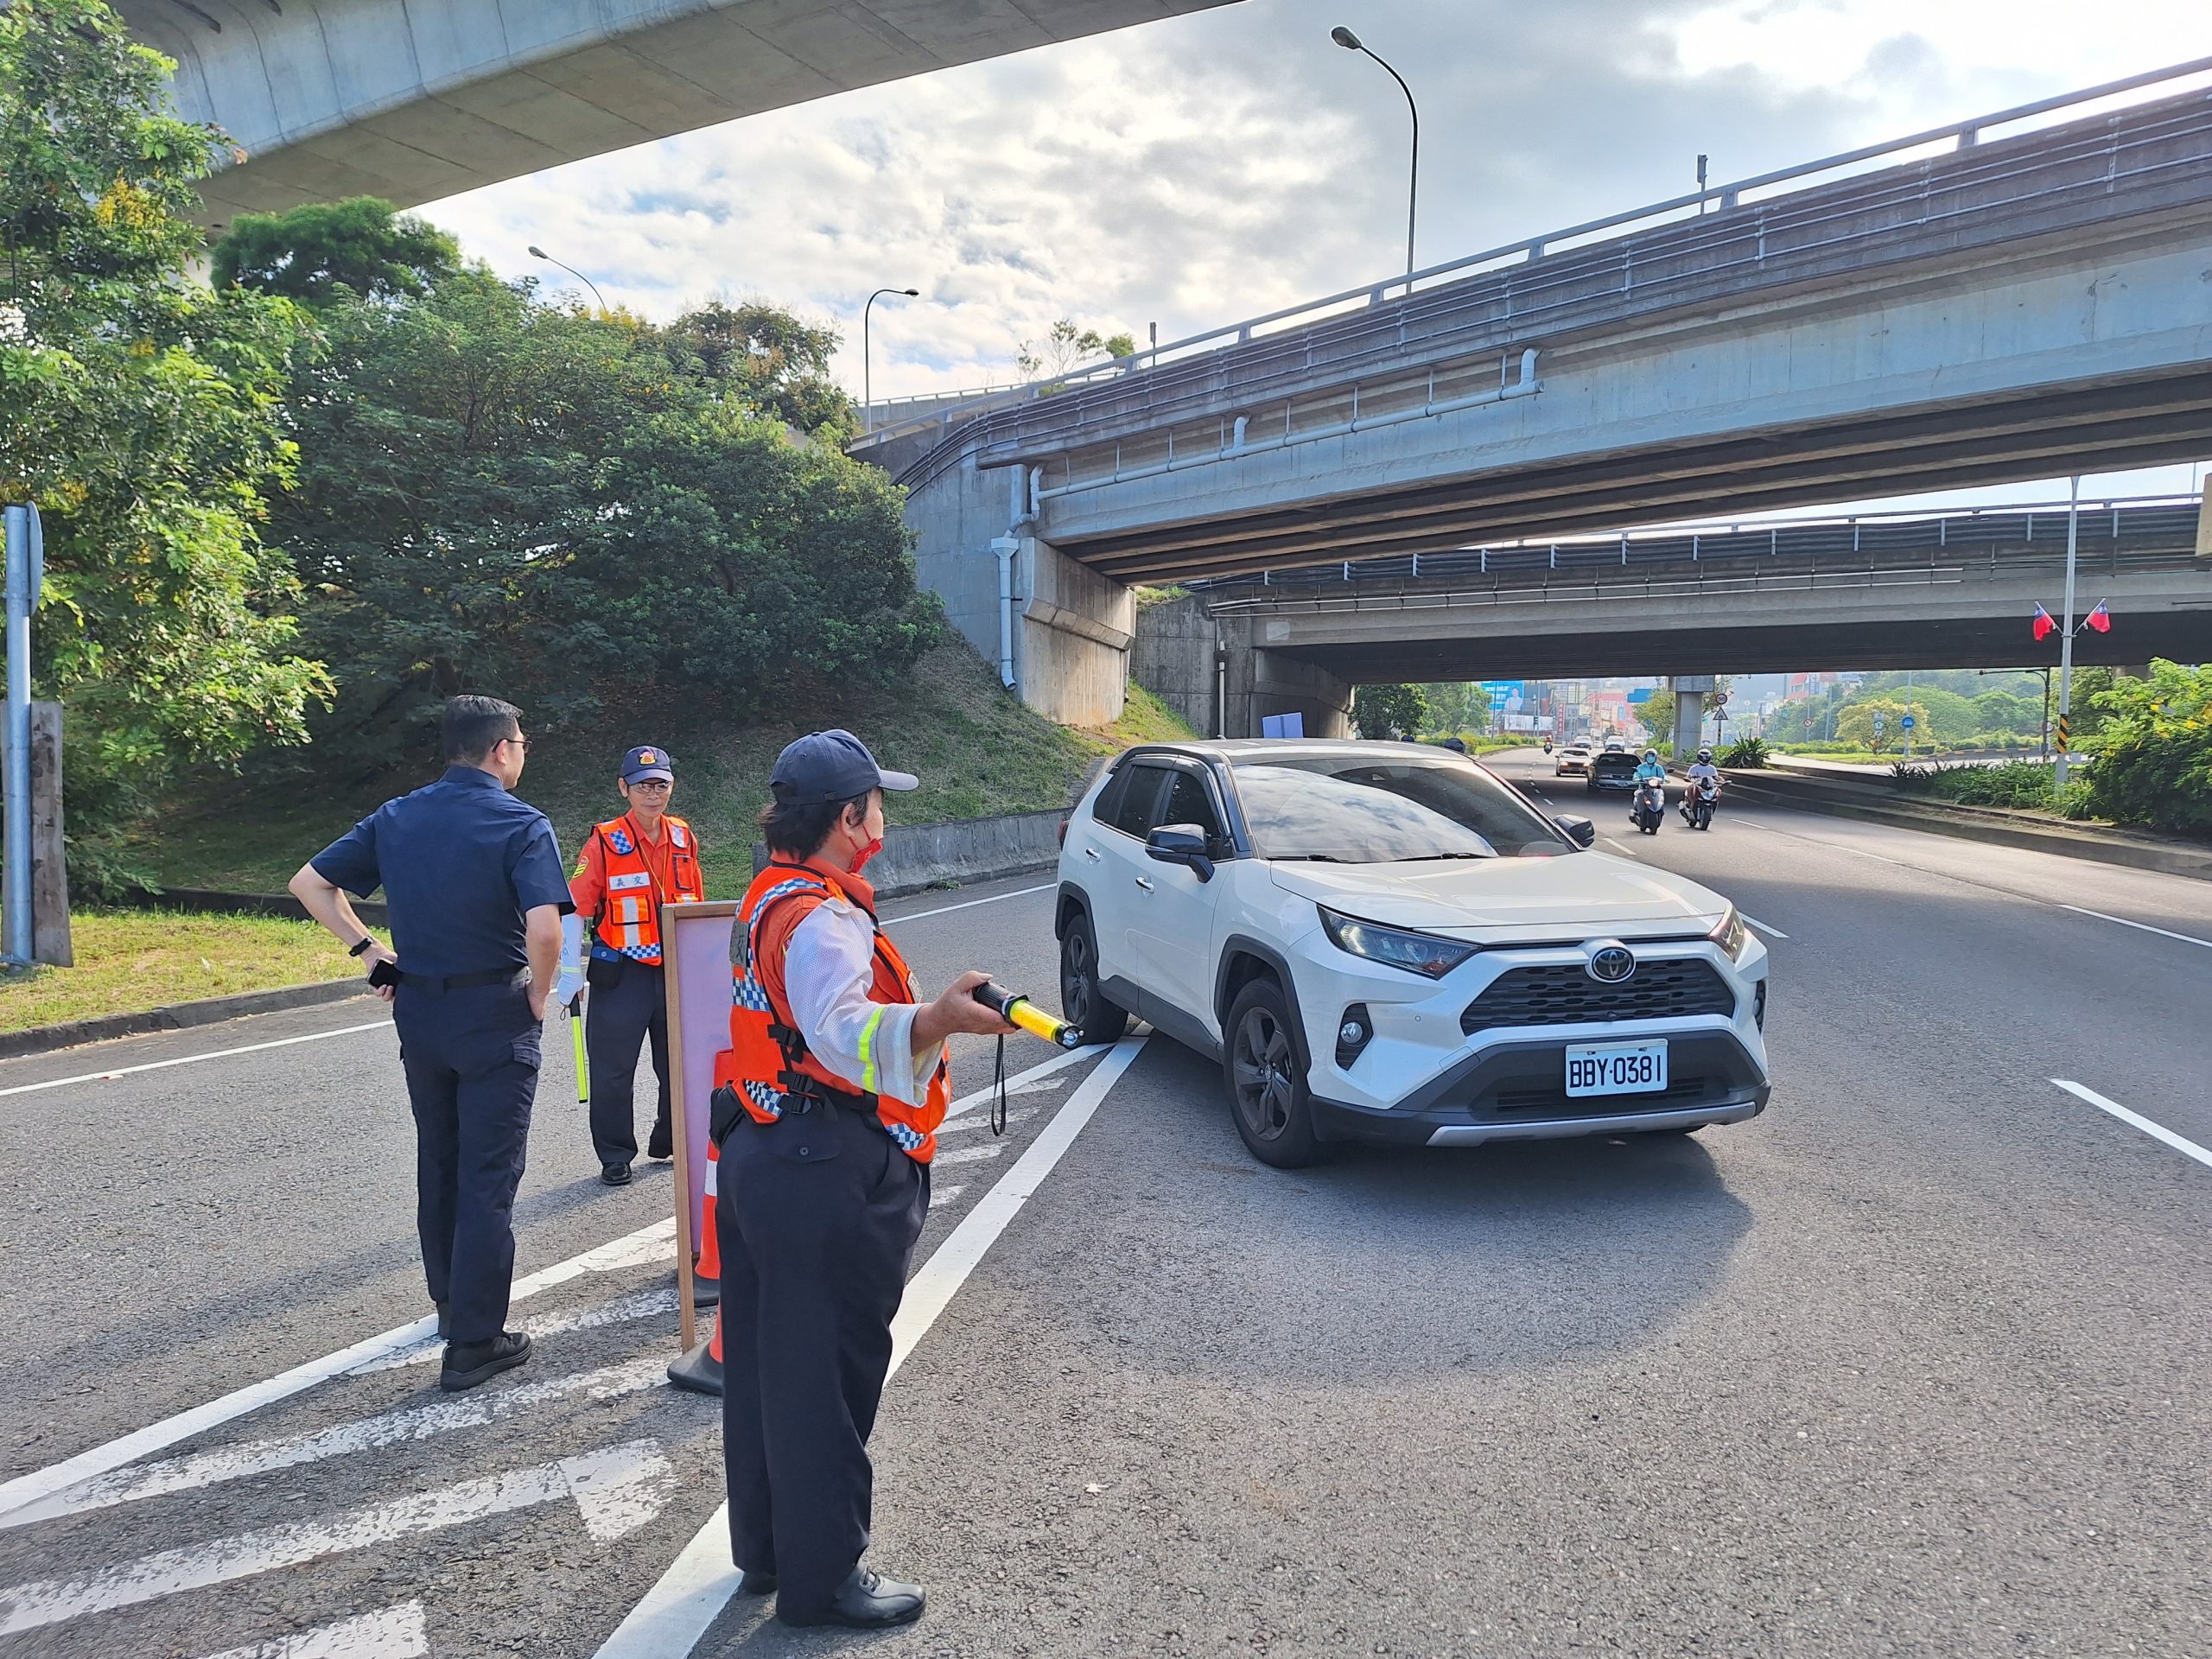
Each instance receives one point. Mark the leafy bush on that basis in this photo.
(2017, 784)
(2155, 761)
(1749, 751)
(1386, 711)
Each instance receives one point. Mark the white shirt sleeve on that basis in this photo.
(828, 969)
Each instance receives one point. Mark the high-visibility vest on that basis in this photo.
(628, 922)
(768, 1058)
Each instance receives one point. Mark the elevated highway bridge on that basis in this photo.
(2018, 296)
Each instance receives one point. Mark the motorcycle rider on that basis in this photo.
(1649, 771)
(1699, 773)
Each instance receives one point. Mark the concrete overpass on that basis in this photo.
(1875, 592)
(2011, 306)
(416, 99)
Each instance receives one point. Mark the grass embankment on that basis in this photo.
(129, 960)
(978, 751)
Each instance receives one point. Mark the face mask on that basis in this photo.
(867, 851)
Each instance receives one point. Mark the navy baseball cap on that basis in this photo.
(834, 766)
(647, 761)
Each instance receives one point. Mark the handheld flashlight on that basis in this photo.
(1017, 1010)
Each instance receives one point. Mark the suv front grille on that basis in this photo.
(1564, 994)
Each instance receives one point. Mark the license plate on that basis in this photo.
(1617, 1069)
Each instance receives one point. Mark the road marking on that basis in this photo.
(970, 1154)
(395, 1633)
(1753, 921)
(616, 1491)
(192, 1060)
(2186, 938)
(944, 1194)
(643, 1305)
(1617, 846)
(1011, 1118)
(399, 1428)
(967, 904)
(1060, 1061)
(26, 1488)
(676, 1613)
(2181, 1144)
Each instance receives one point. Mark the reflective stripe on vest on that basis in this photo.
(628, 922)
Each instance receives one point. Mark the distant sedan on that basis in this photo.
(1571, 760)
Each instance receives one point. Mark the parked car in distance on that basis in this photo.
(1571, 761)
(1385, 941)
(1614, 769)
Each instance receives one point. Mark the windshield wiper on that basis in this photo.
(1306, 858)
(1425, 858)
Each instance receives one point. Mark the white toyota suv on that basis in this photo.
(1385, 941)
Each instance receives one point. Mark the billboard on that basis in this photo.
(1506, 696)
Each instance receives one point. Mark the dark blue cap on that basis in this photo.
(834, 766)
(647, 761)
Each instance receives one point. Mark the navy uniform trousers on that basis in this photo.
(617, 1022)
(471, 1057)
(818, 1215)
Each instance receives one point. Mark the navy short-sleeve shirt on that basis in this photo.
(460, 860)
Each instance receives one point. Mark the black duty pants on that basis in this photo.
(471, 1058)
(617, 1022)
(818, 1215)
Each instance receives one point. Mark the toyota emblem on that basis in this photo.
(1611, 963)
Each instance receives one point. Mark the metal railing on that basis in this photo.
(1353, 304)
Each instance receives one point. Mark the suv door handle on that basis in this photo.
(1090, 852)
(1146, 885)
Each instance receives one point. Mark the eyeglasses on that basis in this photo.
(652, 783)
(517, 738)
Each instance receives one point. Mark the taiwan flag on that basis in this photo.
(2042, 625)
(2098, 620)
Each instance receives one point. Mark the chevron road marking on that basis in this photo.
(394, 1633)
(616, 1491)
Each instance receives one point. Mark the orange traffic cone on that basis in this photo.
(707, 1272)
(700, 1369)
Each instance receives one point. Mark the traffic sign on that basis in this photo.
(1881, 722)
(1908, 722)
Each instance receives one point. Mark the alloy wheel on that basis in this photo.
(1263, 1074)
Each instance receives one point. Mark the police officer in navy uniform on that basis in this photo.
(474, 883)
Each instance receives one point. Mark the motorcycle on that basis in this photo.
(1704, 796)
(1547, 746)
(1649, 807)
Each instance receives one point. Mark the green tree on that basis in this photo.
(1457, 706)
(2154, 765)
(1380, 712)
(1855, 725)
(1065, 346)
(139, 410)
(309, 252)
(764, 357)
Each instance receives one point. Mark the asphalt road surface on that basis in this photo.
(1916, 1364)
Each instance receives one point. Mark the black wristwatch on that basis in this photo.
(367, 939)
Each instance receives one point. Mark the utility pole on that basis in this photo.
(26, 570)
(2065, 631)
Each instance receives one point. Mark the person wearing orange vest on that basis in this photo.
(631, 866)
(826, 1107)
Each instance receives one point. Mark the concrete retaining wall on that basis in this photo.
(919, 856)
(1174, 660)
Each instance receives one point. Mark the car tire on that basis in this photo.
(1269, 1098)
(1084, 1002)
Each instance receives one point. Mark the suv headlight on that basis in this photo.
(1730, 935)
(1417, 953)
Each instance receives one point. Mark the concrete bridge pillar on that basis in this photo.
(1689, 714)
(1218, 674)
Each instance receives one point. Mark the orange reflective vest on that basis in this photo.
(628, 922)
(768, 1058)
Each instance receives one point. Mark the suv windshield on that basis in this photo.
(1370, 812)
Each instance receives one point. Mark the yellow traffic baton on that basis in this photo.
(1018, 1010)
(577, 1040)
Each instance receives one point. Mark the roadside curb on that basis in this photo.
(177, 1016)
(1992, 828)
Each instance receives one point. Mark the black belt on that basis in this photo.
(467, 982)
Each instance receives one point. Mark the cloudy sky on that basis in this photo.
(1193, 172)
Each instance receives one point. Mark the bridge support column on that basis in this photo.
(1689, 714)
(1257, 683)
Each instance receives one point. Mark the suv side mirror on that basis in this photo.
(1580, 831)
(1180, 843)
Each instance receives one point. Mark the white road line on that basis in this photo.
(394, 1633)
(1617, 846)
(616, 1490)
(676, 1613)
(154, 1437)
(400, 1427)
(989, 1150)
(2186, 938)
(1012, 1117)
(191, 1059)
(641, 1306)
(2181, 1144)
(966, 904)
(1044, 1069)
(944, 1194)
(1753, 921)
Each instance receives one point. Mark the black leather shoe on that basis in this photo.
(468, 1363)
(756, 1583)
(614, 1174)
(658, 1145)
(445, 1320)
(865, 1601)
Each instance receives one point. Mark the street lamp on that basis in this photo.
(867, 382)
(1351, 42)
(540, 253)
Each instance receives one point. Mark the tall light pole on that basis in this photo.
(540, 253)
(1351, 42)
(868, 380)
(2066, 638)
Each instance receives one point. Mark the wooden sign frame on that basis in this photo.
(686, 959)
